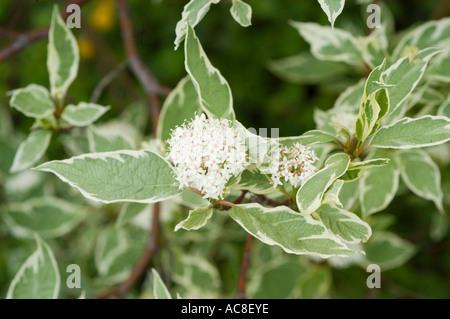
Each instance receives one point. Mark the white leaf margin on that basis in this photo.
(158, 284)
(104, 156)
(326, 234)
(331, 15)
(438, 198)
(65, 115)
(407, 120)
(388, 199)
(353, 218)
(33, 262)
(19, 165)
(189, 16)
(53, 59)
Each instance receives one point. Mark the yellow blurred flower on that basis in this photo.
(103, 17)
(86, 47)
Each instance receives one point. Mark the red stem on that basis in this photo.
(142, 73)
(152, 88)
(22, 40)
(244, 267)
(142, 265)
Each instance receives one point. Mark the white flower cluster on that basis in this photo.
(206, 153)
(294, 165)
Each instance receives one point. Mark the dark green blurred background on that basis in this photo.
(242, 54)
(260, 98)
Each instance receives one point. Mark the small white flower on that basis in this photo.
(293, 165)
(206, 153)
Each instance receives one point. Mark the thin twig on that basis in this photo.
(245, 258)
(23, 40)
(263, 200)
(142, 73)
(340, 143)
(241, 197)
(152, 88)
(225, 203)
(241, 293)
(9, 33)
(142, 265)
(151, 248)
(106, 80)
